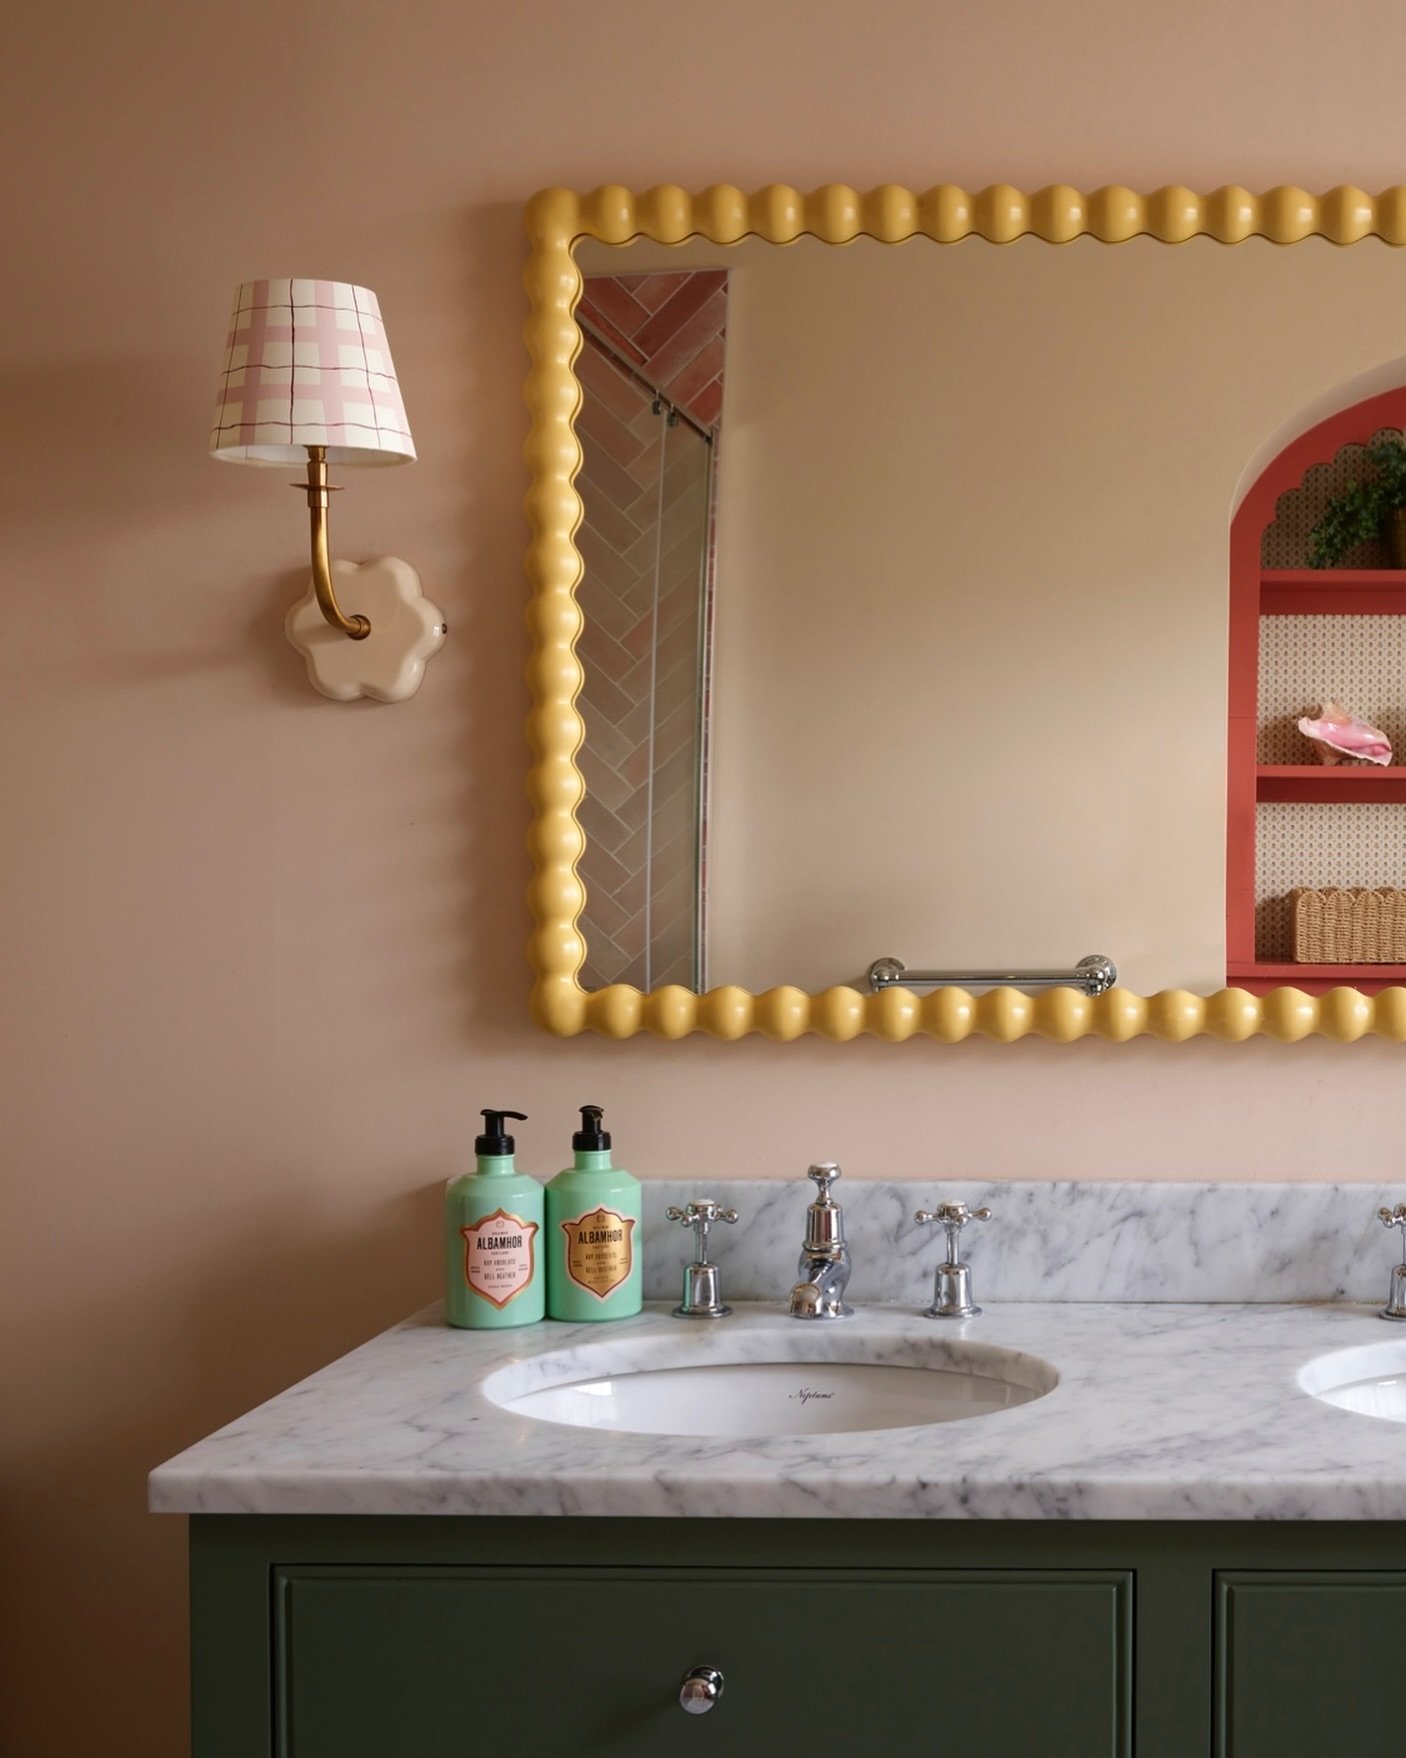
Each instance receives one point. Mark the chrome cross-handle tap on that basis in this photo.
(952, 1284)
(1395, 1307)
(702, 1286)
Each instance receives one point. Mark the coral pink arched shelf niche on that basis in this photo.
(1257, 591)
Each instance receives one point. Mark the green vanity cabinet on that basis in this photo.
(357, 1637)
(1308, 1664)
(537, 1662)
(549, 1661)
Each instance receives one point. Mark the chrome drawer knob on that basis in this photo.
(700, 1690)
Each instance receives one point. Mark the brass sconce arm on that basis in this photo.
(319, 492)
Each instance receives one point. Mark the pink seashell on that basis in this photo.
(1341, 735)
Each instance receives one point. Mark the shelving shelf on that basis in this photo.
(1362, 784)
(1257, 593)
(1313, 979)
(1310, 592)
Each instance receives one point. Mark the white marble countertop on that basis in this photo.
(1162, 1412)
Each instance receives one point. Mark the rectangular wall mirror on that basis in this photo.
(905, 595)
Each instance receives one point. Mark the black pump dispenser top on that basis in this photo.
(494, 1140)
(590, 1138)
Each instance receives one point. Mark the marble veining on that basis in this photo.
(1168, 1412)
(1066, 1241)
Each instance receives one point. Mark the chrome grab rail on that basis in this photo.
(1094, 975)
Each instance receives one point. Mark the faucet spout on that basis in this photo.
(820, 1292)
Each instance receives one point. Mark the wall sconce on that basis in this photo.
(308, 377)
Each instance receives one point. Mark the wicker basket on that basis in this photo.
(1357, 926)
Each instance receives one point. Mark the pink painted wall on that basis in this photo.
(260, 952)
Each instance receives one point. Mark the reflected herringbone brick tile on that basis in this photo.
(641, 600)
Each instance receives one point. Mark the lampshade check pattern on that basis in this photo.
(307, 364)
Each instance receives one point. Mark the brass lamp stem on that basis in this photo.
(319, 492)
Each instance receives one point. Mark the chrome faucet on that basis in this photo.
(952, 1284)
(702, 1289)
(1395, 1307)
(824, 1266)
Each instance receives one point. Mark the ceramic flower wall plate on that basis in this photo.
(406, 630)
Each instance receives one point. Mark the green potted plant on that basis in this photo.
(1366, 510)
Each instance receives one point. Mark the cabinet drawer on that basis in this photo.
(1305, 1663)
(436, 1662)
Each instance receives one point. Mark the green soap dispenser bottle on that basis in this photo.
(593, 1224)
(493, 1237)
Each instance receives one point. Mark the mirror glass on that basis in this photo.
(906, 593)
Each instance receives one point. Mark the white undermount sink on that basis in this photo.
(784, 1390)
(1370, 1379)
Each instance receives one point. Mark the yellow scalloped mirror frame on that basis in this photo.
(556, 219)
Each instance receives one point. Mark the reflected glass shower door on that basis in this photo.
(646, 484)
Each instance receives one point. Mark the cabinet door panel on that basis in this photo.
(1305, 1663)
(440, 1662)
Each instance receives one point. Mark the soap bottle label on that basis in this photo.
(599, 1250)
(498, 1256)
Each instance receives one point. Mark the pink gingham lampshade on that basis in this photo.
(308, 365)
